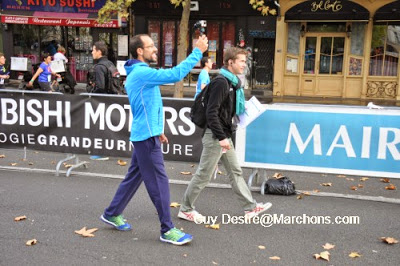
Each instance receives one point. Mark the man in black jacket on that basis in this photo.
(100, 82)
(217, 140)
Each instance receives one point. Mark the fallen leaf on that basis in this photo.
(261, 247)
(192, 165)
(2, 156)
(174, 204)
(185, 255)
(328, 246)
(67, 165)
(390, 187)
(341, 176)
(215, 263)
(323, 255)
(364, 179)
(350, 179)
(353, 187)
(186, 173)
(360, 185)
(31, 242)
(274, 258)
(277, 175)
(13, 164)
(20, 218)
(121, 163)
(30, 163)
(213, 226)
(53, 162)
(354, 255)
(300, 196)
(24, 159)
(385, 180)
(315, 190)
(389, 240)
(326, 184)
(86, 232)
(220, 173)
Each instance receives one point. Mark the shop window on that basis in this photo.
(228, 36)
(331, 55)
(357, 38)
(213, 41)
(80, 43)
(384, 56)
(309, 56)
(154, 32)
(26, 42)
(293, 38)
(168, 58)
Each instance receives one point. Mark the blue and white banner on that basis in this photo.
(321, 138)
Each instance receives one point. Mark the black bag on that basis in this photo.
(113, 85)
(199, 107)
(281, 186)
(90, 80)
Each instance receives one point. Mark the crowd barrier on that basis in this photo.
(89, 124)
(351, 140)
(295, 137)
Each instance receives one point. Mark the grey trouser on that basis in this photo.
(212, 153)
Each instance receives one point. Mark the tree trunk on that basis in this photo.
(182, 44)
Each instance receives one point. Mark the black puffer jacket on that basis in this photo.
(221, 107)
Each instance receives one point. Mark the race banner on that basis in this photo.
(321, 138)
(90, 124)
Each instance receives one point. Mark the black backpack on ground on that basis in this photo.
(199, 107)
(281, 186)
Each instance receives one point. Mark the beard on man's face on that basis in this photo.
(151, 59)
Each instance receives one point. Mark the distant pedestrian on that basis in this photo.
(44, 73)
(204, 77)
(147, 164)
(225, 100)
(4, 74)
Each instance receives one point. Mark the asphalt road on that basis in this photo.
(57, 206)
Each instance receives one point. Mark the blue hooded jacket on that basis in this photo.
(144, 94)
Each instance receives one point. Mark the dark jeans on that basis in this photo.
(147, 165)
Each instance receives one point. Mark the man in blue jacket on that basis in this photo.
(147, 163)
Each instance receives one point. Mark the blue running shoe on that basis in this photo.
(117, 221)
(176, 237)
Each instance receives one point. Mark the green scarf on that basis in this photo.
(240, 100)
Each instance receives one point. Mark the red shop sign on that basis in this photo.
(58, 21)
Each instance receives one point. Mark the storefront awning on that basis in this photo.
(56, 19)
(327, 10)
(389, 12)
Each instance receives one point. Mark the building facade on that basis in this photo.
(36, 27)
(229, 23)
(338, 48)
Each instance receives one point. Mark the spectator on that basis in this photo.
(4, 74)
(44, 73)
(204, 77)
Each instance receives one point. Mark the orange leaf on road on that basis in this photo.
(121, 162)
(31, 242)
(274, 258)
(390, 187)
(323, 255)
(328, 246)
(20, 218)
(385, 180)
(326, 184)
(186, 173)
(354, 255)
(389, 240)
(174, 204)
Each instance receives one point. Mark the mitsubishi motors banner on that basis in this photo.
(89, 124)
